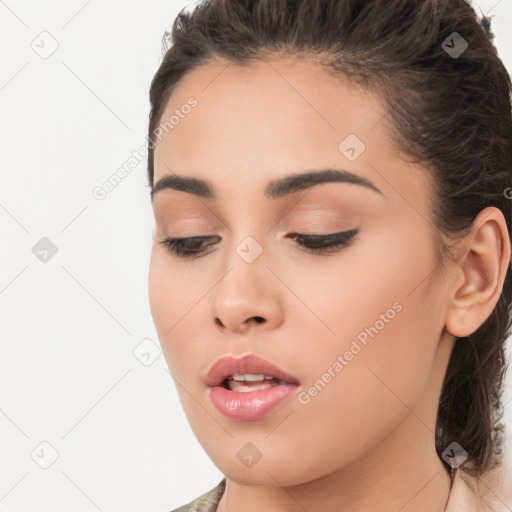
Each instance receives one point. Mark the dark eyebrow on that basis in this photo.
(277, 188)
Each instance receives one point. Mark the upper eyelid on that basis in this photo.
(309, 235)
(324, 235)
(315, 213)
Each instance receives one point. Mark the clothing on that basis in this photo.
(207, 502)
(461, 499)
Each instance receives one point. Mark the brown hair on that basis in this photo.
(451, 113)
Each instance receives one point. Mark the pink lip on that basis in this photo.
(229, 365)
(254, 404)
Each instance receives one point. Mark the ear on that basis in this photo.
(478, 273)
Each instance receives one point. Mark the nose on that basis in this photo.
(248, 296)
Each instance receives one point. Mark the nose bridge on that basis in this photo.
(247, 234)
(245, 289)
(243, 269)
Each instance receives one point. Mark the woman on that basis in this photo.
(330, 276)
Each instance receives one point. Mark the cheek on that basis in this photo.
(178, 307)
(160, 298)
(350, 413)
(171, 290)
(387, 321)
(166, 302)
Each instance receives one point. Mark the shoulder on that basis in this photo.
(207, 502)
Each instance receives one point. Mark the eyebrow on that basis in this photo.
(275, 189)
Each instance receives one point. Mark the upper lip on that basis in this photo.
(228, 366)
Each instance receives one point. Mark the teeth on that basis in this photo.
(250, 377)
(247, 382)
(248, 389)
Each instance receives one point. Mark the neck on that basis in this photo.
(409, 479)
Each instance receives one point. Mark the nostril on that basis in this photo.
(257, 319)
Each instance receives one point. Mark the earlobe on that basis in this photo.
(479, 273)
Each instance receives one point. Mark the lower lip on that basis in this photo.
(252, 405)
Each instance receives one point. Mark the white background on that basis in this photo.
(68, 327)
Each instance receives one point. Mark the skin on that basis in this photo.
(366, 441)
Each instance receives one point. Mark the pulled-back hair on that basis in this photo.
(448, 112)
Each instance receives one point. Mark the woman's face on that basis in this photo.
(361, 327)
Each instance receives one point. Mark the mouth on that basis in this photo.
(249, 388)
(250, 371)
(246, 383)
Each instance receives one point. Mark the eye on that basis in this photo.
(325, 243)
(188, 247)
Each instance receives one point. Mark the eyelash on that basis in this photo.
(317, 244)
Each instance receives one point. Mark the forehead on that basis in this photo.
(280, 114)
(267, 104)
